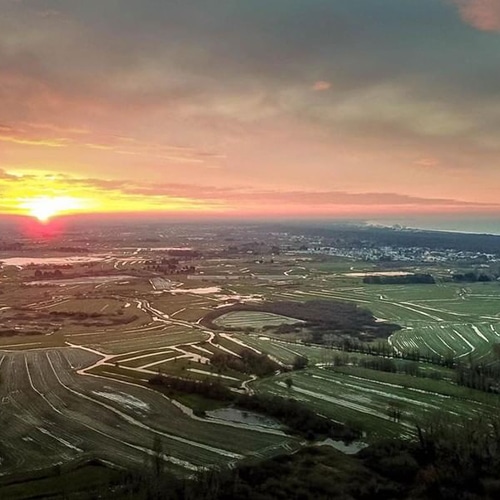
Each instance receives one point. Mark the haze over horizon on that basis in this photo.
(307, 109)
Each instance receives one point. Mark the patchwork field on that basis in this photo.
(445, 320)
(50, 412)
(80, 388)
(365, 398)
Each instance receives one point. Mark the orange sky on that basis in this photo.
(313, 108)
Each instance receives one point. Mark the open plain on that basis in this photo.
(81, 339)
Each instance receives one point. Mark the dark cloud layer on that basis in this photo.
(201, 51)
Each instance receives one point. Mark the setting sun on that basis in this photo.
(44, 208)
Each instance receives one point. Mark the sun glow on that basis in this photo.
(44, 208)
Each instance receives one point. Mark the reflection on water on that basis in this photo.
(244, 417)
(348, 449)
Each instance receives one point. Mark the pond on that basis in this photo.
(347, 448)
(244, 417)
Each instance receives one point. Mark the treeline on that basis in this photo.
(384, 349)
(479, 376)
(168, 266)
(297, 417)
(58, 274)
(291, 413)
(473, 277)
(252, 248)
(482, 377)
(47, 275)
(312, 473)
(459, 458)
(319, 316)
(408, 279)
(185, 253)
(15, 332)
(249, 362)
(378, 363)
(284, 328)
(76, 314)
(173, 386)
(94, 318)
(72, 249)
(10, 246)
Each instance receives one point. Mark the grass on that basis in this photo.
(229, 344)
(243, 441)
(199, 403)
(444, 387)
(363, 397)
(121, 373)
(192, 314)
(349, 413)
(26, 342)
(150, 358)
(90, 306)
(116, 343)
(286, 352)
(253, 319)
(122, 357)
(59, 481)
(182, 368)
(174, 303)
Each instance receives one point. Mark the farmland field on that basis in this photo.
(242, 319)
(363, 398)
(74, 373)
(50, 412)
(446, 319)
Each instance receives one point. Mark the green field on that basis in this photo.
(253, 319)
(363, 398)
(445, 320)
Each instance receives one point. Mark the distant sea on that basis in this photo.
(479, 225)
(462, 224)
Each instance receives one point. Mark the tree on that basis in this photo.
(394, 412)
(157, 456)
(300, 362)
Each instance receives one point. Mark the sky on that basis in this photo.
(258, 108)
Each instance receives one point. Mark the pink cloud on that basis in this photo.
(246, 197)
(427, 162)
(483, 15)
(49, 143)
(47, 135)
(321, 85)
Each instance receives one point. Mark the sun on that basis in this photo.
(44, 208)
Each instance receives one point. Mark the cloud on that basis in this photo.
(32, 142)
(321, 85)
(250, 197)
(49, 13)
(28, 134)
(427, 162)
(125, 195)
(47, 135)
(56, 128)
(483, 15)
(6, 176)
